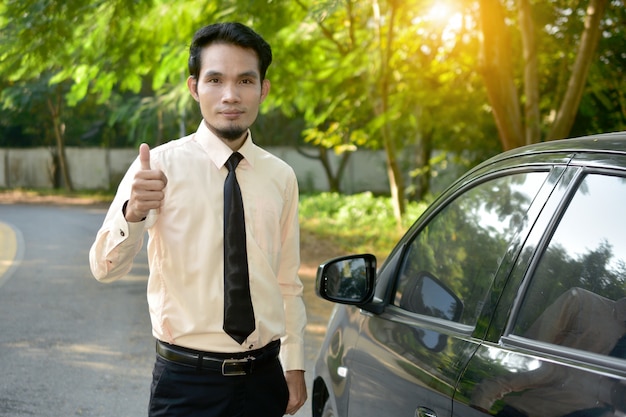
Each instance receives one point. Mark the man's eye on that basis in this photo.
(213, 80)
(247, 81)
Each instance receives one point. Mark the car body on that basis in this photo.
(506, 297)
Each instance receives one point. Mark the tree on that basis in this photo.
(80, 47)
(346, 103)
(377, 75)
(586, 50)
(498, 68)
(31, 33)
(23, 67)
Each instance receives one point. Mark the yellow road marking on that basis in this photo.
(8, 248)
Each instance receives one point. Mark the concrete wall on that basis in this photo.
(3, 167)
(102, 169)
(28, 168)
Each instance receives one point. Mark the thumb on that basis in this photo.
(144, 156)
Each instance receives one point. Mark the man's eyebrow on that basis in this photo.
(212, 74)
(245, 74)
(252, 74)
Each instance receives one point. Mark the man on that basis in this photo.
(176, 192)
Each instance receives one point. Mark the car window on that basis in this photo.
(576, 297)
(462, 246)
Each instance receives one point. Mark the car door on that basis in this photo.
(557, 344)
(408, 358)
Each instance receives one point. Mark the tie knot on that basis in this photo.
(233, 161)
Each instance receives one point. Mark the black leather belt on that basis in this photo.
(239, 364)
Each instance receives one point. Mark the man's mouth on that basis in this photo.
(231, 114)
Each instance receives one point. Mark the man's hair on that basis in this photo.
(230, 33)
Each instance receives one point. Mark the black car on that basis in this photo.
(506, 297)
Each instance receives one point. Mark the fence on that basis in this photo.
(102, 169)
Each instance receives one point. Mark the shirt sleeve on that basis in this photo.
(292, 350)
(118, 241)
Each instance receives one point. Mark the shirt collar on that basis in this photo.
(218, 151)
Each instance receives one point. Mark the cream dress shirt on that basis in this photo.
(185, 246)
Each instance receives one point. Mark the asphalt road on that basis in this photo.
(69, 345)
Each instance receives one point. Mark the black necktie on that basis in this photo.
(238, 313)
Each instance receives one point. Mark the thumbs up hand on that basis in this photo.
(147, 190)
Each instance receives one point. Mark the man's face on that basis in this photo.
(229, 90)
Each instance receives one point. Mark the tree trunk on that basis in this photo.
(159, 135)
(497, 73)
(531, 77)
(426, 151)
(59, 133)
(576, 85)
(334, 179)
(396, 181)
(343, 164)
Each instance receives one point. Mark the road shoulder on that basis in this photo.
(8, 250)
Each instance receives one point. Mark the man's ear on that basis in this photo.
(265, 89)
(192, 85)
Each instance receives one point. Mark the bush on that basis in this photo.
(357, 223)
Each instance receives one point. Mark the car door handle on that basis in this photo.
(424, 412)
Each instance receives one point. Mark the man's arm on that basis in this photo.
(292, 351)
(121, 236)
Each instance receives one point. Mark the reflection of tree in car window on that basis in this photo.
(576, 299)
(590, 271)
(464, 244)
(594, 260)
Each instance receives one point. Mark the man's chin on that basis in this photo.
(232, 136)
(229, 134)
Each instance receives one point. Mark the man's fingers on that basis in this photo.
(144, 156)
(297, 390)
(147, 188)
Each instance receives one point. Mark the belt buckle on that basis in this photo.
(235, 367)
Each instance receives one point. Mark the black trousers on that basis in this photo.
(181, 390)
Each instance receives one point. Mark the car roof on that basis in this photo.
(614, 143)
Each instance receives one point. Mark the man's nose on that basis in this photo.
(230, 93)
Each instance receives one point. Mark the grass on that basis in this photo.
(97, 196)
(358, 223)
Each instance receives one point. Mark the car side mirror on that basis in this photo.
(426, 295)
(347, 279)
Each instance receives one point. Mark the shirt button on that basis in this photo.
(122, 233)
(250, 347)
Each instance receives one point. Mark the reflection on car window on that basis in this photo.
(577, 294)
(463, 245)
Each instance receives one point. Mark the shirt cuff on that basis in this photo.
(124, 232)
(292, 357)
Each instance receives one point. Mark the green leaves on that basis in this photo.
(377, 74)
